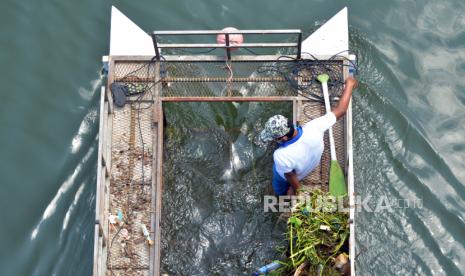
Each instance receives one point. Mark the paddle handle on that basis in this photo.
(332, 147)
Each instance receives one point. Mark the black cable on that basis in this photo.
(138, 100)
(337, 54)
(345, 58)
(311, 55)
(290, 74)
(291, 71)
(197, 53)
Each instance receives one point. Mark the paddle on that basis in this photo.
(337, 184)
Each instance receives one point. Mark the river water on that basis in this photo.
(409, 140)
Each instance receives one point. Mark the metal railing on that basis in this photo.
(228, 46)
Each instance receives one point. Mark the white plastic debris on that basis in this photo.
(325, 228)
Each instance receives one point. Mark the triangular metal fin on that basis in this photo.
(126, 38)
(331, 38)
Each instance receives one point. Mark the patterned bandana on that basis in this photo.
(275, 127)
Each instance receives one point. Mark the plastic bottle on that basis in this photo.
(146, 234)
(120, 217)
(267, 268)
(352, 65)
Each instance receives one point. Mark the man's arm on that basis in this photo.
(291, 177)
(343, 104)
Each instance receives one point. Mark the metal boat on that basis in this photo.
(130, 152)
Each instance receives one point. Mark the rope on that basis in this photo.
(229, 80)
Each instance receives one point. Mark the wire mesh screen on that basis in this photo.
(234, 78)
(319, 177)
(130, 189)
(142, 71)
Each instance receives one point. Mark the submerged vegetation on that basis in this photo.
(317, 233)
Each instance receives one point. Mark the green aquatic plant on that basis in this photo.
(316, 233)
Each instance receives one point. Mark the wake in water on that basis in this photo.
(394, 157)
(65, 229)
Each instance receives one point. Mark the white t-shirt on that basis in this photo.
(304, 155)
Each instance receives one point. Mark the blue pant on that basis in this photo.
(280, 185)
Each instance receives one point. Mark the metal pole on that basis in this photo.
(230, 99)
(155, 45)
(215, 32)
(299, 45)
(228, 50)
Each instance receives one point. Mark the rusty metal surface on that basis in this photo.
(239, 79)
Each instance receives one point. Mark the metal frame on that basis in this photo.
(103, 182)
(157, 175)
(350, 176)
(210, 58)
(157, 46)
(230, 99)
(101, 227)
(159, 188)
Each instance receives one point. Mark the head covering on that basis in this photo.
(275, 127)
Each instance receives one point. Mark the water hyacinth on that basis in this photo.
(316, 235)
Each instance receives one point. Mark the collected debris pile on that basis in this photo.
(317, 236)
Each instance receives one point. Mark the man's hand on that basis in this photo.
(351, 82)
(291, 177)
(343, 104)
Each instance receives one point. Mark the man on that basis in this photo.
(300, 148)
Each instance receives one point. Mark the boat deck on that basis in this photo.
(130, 176)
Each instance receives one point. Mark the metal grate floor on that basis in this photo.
(131, 189)
(319, 177)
